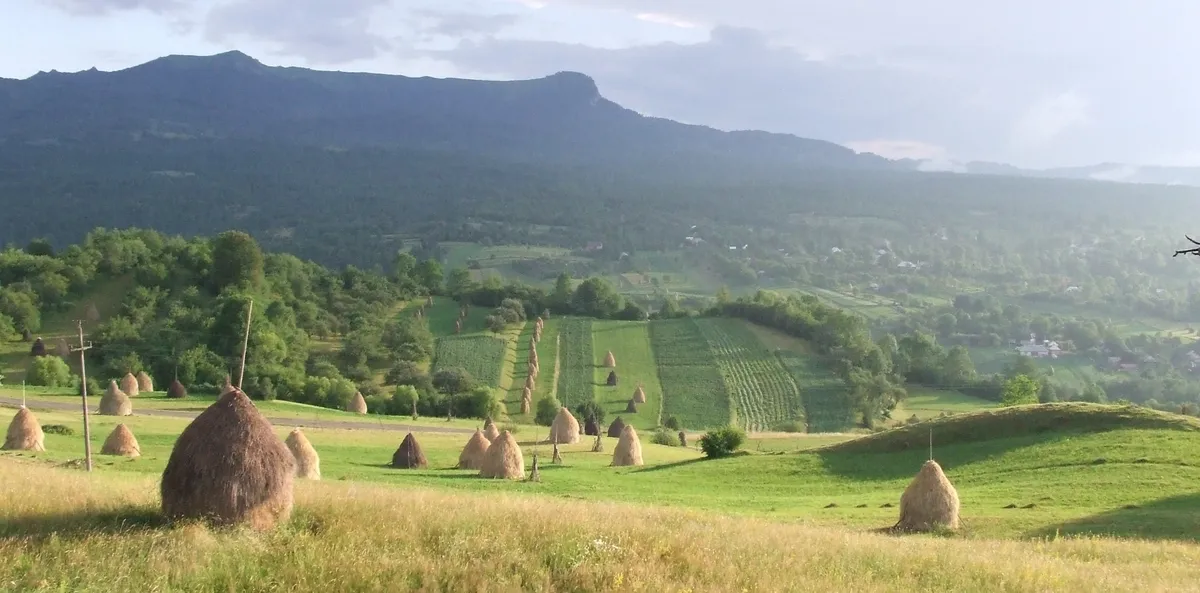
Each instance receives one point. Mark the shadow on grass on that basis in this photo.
(1174, 518)
(905, 463)
(687, 462)
(83, 524)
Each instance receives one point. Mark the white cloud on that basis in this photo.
(1049, 117)
(665, 19)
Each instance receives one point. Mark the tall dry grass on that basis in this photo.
(64, 530)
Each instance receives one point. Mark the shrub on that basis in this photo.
(722, 442)
(481, 402)
(58, 429)
(403, 400)
(589, 408)
(547, 409)
(49, 371)
(673, 423)
(663, 436)
(791, 426)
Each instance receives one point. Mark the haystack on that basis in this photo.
(614, 429)
(612, 379)
(526, 393)
(930, 501)
(525, 403)
(565, 428)
(628, 450)
(357, 404)
(228, 467)
(145, 383)
(114, 402)
(639, 395)
(227, 386)
(409, 455)
(176, 390)
(529, 383)
(475, 452)
(24, 433)
(591, 427)
(121, 442)
(308, 463)
(129, 384)
(631, 407)
(38, 348)
(490, 431)
(682, 439)
(504, 459)
(610, 361)
(91, 312)
(63, 349)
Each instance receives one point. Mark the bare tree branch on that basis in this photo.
(1192, 251)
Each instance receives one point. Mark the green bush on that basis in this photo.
(722, 442)
(481, 402)
(589, 408)
(547, 409)
(49, 371)
(673, 423)
(791, 426)
(58, 429)
(663, 436)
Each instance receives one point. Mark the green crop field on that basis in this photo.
(693, 390)
(762, 393)
(575, 365)
(630, 345)
(482, 356)
(822, 393)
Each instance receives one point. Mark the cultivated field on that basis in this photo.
(575, 363)
(482, 356)
(630, 345)
(693, 390)
(763, 394)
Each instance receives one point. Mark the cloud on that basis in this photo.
(319, 31)
(105, 7)
(665, 19)
(1049, 117)
(462, 24)
(899, 149)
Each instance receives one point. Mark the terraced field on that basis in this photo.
(693, 389)
(763, 394)
(575, 381)
(630, 344)
(481, 355)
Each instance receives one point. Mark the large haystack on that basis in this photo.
(121, 442)
(612, 379)
(504, 459)
(628, 450)
(308, 463)
(114, 402)
(24, 433)
(38, 348)
(409, 455)
(591, 427)
(228, 467)
(357, 404)
(610, 361)
(63, 350)
(176, 390)
(145, 383)
(614, 429)
(490, 431)
(930, 501)
(474, 454)
(639, 395)
(565, 428)
(129, 384)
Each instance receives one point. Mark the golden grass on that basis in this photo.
(101, 533)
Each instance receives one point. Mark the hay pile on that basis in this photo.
(176, 390)
(504, 459)
(121, 442)
(228, 467)
(409, 455)
(631, 407)
(145, 383)
(614, 429)
(63, 350)
(565, 428)
(24, 433)
(357, 404)
(628, 450)
(308, 463)
(639, 395)
(930, 502)
(38, 348)
(612, 379)
(526, 393)
(682, 439)
(591, 427)
(525, 405)
(529, 383)
(610, 361)
(489, 430)
(114, 402)
(474, 454)
(129, 384)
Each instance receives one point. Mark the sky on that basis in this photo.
(1033, 83)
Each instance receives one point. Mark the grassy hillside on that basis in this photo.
(630, 345)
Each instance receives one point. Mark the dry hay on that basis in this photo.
(565, 428)
(489, 430)
(533, 370)
(129, 384)
(610, 361)
(529, 382)
(614, 429)
(639, 395)
(503, 459)
(227, 386)
(38, 348)
(525, 406)
(26, 335)
(308, 463)
(176, 390)
(145, 383)
(612, 379)
(357, 404)
(930, 501)
(228, 467)
(24, 433)
(628, 450)
(631, 407)
(475, 452)
(121, 442)
(63, 349)
(409, 455)
(526, 393)
(114, 402)
(682, 439)
(590, 427)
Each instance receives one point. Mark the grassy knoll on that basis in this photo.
(761, 392)
(630, 344)
(693, 390)
(575, 361)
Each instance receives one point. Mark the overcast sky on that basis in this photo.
(1034, 83)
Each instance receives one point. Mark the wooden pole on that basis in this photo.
(245, 345)
(87, 424)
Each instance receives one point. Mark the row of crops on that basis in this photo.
(762, 392)
(575, 382)
(693, 389)
(480, 355)
(826, 405)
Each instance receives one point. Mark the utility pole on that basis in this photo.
(245, 345)
(87, 425)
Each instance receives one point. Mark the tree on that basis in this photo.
(596, 297)
(1019, 390)
(459, 282)
(590, 408)
(404, 400)
(957, 368)
(237, 261)
(560, 299)
(40, 246)
(49, 371)
(547, 409)
(453, 381)
(403, 266)
(429, 275)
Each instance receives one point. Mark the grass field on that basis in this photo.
(630, 344)
(693, 390)
(761, 392)
(483, 356)
(575, 363)
(927, 403)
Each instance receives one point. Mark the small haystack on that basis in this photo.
(409, 455)
(525, 403)
(504, 459)
(612, 379)
(631, 407)
(24, 433)
(628, 450)
(475, 452)
(357, 404)
(228, 467)
(176, 390)
(145, 383)
(63, 349)
(682, 439)
(591, 427)
(930, 502)
(129, 384)
(565, 428)
(526, 393)
(489, 430)
(121, 442)
(114, 402)
(529, 383)
(610, 361)
(38, 348)
(308, 463)
(614, 429)
(639, 395)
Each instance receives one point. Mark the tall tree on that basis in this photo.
(237, 261)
